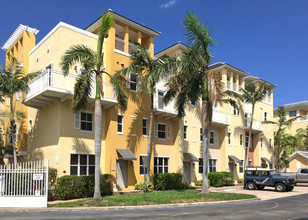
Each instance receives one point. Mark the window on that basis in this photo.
(292, 113)
(86, 121)
(241, 167)
(142, 169)
(304, 171)
(229, 138)
(201, 138)
(247, 141)
(270, 143)
(200, 165)
(261, 142)
(82, 164)
(212, 165)
(160, 131)
(133, 81)
(265, 116)
(193, 103)
(185, 132)
(160, 99)
(234, 110)
(264, 173)
(144, 126)
(249, 164)
(120, 124)
(241, 139)
(161, 164)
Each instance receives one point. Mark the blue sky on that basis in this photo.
(267, 38)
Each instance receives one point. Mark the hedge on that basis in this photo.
(140, 186)
(218, 179)
(74, 187)
(169, 181)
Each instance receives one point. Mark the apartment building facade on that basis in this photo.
(53, 131)
(298, 159)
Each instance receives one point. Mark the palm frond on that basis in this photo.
(116, 81)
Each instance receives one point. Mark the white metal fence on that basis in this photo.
(24, 184)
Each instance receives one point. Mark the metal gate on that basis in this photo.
(24, 184)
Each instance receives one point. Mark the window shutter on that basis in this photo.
(168, 131)
(156, 130)
(127, 81)
(77, 120)
(215, 137)
(140, 83)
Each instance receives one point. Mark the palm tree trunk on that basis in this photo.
(249, 138)
(12, 121)
(98, 142)
(205, 154)
(149, 141)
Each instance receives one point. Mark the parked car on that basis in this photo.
(301, 176)
(258, 178)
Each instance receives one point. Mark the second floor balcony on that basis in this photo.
(220, 118)
(256, 125)
(52, 86)
(162, 109)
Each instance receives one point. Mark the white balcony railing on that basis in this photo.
(55, 80)
(228, 85)
(119, 44)
(303, 117)
(221, 117)
(131, 48)
(256, 124)
(234, 87)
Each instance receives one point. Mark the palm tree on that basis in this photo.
(282, 124)
(193, 81)
(252, 94)
(154, 70)
(12, 80)
(92, 63)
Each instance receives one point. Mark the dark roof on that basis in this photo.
(191, 157)
(267, 160)
(293, 106)
(236, 160)
(126, 154)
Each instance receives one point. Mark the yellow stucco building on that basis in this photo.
(53, 131)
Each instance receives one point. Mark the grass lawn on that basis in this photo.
(160, 197)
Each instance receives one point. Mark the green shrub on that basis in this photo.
(218, 179)
(240, 180)
(169, 181)
(52, 178)
(198, 182)
(73, 187)
(140, 186)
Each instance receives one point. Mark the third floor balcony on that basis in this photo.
(256, 125)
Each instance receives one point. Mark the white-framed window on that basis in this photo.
(144, 126)
(161, 164)
(234, 111)
(142, 169)
(213, 137)
(200, 165)
(83, 121)
(160, 95)
(193, 103)
(247, 141)
(241, 139)
(134, 82)
(270, 143)
(292, 113)
(212, 165)
(82, 164)
(201, 137)
(120, 124)
(261, 142)
(264, 116)
(229, 138)
(162, 131)
(241, 166)
(185, 132)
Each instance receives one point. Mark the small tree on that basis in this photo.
(282, 123)
(92, 63)
(12, 80)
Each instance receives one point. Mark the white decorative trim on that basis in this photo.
(133, 116)
(134, 135)
(17, 33)
(67, 26)
(121, 52)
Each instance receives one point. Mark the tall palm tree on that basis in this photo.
(12, 80)
(252, 94)
(193, 81)
(282, 123)
(154, 70)
(92, 63)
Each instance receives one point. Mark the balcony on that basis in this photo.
(220, 118)
(303, 118)
(52, 85)
(256, 125)
(119, 44)
(162, 110)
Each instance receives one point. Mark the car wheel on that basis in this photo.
(251, 185)
(290, 188)
(280, 187)
(260, 187)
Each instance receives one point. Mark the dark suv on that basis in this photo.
(258, 178)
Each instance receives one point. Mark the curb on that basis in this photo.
(36, 210)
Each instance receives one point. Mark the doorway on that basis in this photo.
(122, 173)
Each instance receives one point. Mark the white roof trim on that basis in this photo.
(17, 33)
(68, 26)
(294, 154)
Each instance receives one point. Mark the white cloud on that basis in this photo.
(168, 4)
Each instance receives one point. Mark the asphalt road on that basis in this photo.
(294, 207)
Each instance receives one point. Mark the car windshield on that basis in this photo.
(274, 172)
